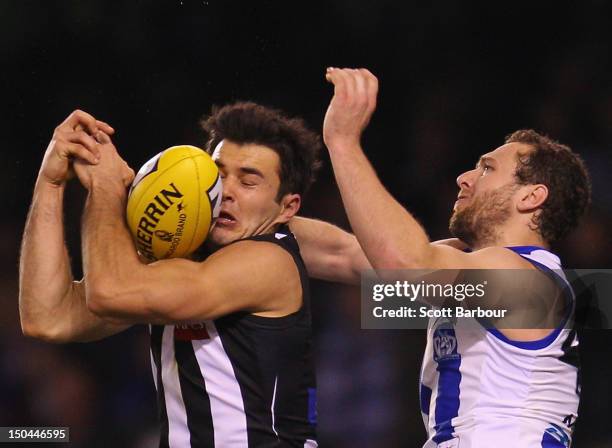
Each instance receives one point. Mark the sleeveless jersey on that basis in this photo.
(480, 389)
(241, 380)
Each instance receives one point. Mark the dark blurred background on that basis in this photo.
(456, 77)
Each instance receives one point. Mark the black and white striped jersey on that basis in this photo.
(240, 380)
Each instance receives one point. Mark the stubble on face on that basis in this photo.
(478, 224)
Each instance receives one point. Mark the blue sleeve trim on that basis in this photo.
(528, 345)
(525, 249)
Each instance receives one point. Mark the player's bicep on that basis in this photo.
(246, 276)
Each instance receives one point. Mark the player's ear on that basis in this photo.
(289, 206)
(532, 197)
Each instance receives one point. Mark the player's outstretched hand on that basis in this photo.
(351, 107)
(71, 140)
(110, 170)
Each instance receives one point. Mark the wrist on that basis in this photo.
(46, 185)
(343, 144)
(108, 187)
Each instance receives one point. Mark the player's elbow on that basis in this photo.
(44, 331)
(35, 325)
(102, 300)
(31, 329)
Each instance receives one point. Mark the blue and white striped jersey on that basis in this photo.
(481, 389)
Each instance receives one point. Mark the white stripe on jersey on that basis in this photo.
(178, 431)
(226, 405)
(273, 403)
(153, 366)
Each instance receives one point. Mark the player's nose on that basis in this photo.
(228, 189)
(465, 180)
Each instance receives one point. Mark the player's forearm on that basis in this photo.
(45, 278)
(109, 256)
(329, 252)
(389, 235)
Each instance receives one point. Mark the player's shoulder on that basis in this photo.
(259, 245)
(498, 257)
(269, 268)
(492, 257)
(264, 252)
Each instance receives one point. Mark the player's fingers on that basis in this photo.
(105, 127)
(347, 87)
(369, 75)
(79, 120)
(372, 87)
(79, 117)
(351, 85)
(370, 79)
(335, 77)
(361, 87)
(102, 137)
(329, 73)
(77, 150)
(85, 140)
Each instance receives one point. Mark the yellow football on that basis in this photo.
(172, 202)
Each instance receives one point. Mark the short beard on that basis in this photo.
(478, 224)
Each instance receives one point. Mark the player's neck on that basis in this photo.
(512, 237)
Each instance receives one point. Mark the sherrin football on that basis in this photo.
(172, 202)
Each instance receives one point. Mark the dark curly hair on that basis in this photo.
(563, 172)
(297, 146)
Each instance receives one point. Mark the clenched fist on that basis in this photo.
(351, 107)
